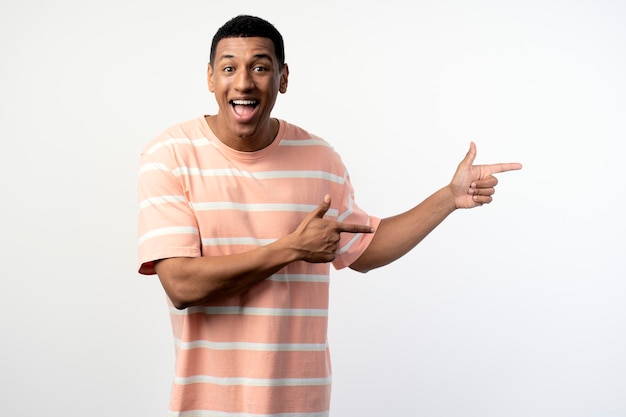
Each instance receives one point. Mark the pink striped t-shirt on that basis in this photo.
(265, 351)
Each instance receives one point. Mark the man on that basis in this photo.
(241, 215)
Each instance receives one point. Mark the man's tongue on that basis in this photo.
(242, 110)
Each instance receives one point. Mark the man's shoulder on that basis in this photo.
(181, 132)
(296, 134)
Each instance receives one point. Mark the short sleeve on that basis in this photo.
(352, 246)
(167, 225)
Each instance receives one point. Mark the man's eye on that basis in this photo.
(228, 69)
(260, 68)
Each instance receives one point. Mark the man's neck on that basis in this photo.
(242, 141)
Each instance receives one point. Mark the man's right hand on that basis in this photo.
(317, 238)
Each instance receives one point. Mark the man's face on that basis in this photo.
(246, 78)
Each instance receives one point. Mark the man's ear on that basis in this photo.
(284, 79)
(209, 77)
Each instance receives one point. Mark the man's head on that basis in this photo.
(245, 26)
(246, 73)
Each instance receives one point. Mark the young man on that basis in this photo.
(241, 215)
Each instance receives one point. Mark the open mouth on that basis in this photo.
(243, 107)
(252, 103)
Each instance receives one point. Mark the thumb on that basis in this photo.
(321, 210)
(470, 156)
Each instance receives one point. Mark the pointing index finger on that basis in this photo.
(503, 167)
(353, 228)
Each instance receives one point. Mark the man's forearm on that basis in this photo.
(397, 235)
(193, 281)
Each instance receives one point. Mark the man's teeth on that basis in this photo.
(244, 102)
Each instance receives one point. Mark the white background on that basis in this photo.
(513, 309)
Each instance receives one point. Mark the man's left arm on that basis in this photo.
(471, 186)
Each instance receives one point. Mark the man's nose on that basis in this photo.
(244, 81)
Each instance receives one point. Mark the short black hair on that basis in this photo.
(246, 26)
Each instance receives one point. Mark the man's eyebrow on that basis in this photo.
(267, 56)
(257, 56)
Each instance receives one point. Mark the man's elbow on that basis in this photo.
(367, 262)
(360, 265)
(358, 269)
(177, 297)
(176, 286)
(184, 294)
(177, 291)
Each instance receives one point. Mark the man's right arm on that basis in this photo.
(205, 279)
(195, 281)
